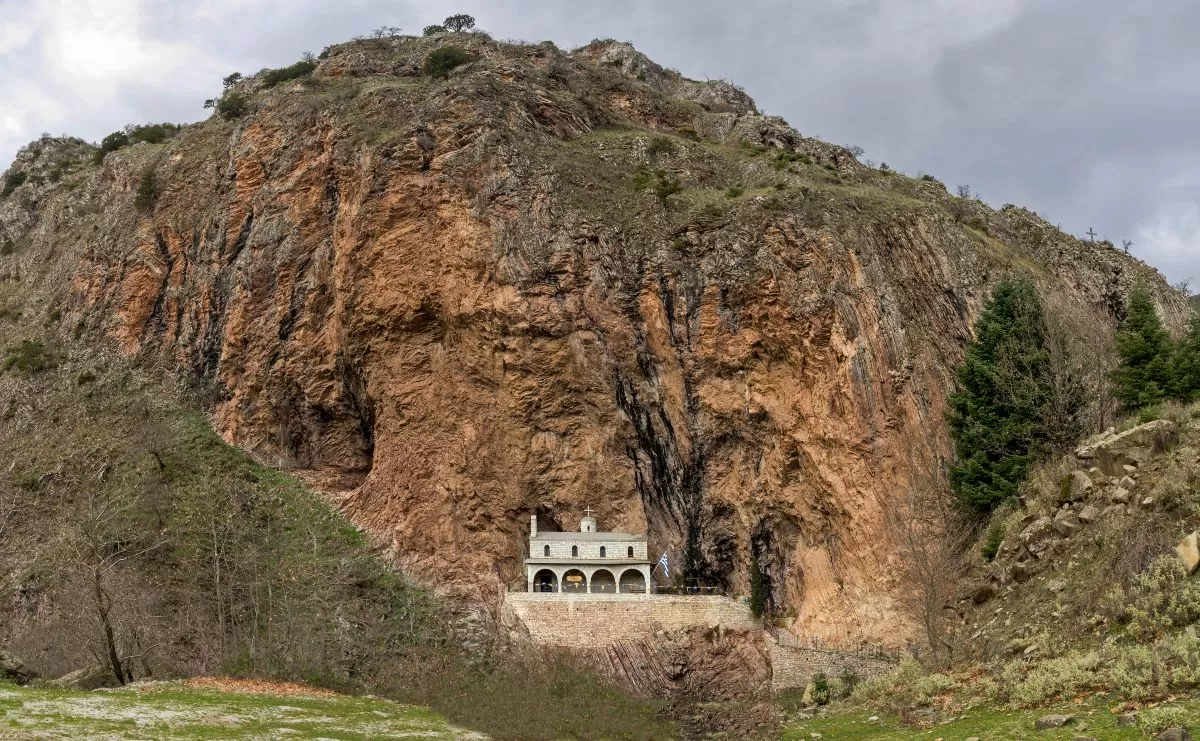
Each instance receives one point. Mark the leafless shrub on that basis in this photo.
(931, 536)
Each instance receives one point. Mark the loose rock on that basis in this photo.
(1189, 552)
(14, 670)
(1052, 721)
(89, 678)
(1178, 733)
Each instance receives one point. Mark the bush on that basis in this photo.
(13, 180)
(7, 247)
(733, 192)
(1061, 677)
(148, 190)
(1162, 599)
(992, 542)
(29, 357)
(434, 30)
(659, 145)
(1156, 720)
(821, 694)
(773, 204)
(232, 106)
(688, 132)
(272, 77)
(441, 61)
(111, 143)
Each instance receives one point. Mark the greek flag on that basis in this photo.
(663, 562)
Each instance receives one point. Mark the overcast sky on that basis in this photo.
(1086, 111)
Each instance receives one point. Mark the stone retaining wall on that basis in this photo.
(585, 621)
(589, 622)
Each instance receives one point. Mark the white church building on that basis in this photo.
(588, 561)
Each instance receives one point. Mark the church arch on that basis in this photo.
(603, 582)
(632, 580)
(629, 553)
(574, 551)
(546, 551)
(603, 551)
(574, 581)
(545, 581)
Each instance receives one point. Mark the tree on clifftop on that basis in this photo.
(459, 22)
(1144, 348)
(1006, 386)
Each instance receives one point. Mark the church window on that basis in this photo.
(546, 551)
(574, 551)
(631, 551)
(601, 551)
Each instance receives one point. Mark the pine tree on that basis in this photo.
(1185, 368)
(998, 415)
(1143, 376)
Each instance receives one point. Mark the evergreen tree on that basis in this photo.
(998, 415)
(1185, 370)
(1143, 376)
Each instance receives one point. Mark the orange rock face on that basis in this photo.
(451, 305)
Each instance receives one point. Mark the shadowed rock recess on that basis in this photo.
(454, 303)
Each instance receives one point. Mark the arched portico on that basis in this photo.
(602, 582)
(545, 580)
(633, 581)
(574, 581)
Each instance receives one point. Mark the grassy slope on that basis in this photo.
(1094, 718)
(170, 711)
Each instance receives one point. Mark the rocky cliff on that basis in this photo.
(547, 281)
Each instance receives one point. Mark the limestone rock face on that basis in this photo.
(1113, 451)
(448, 304)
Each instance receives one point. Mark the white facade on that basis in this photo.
(588, 561)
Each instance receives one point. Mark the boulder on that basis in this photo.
(14, 670)
(1089, 513)
(1034, 536)
(1127, 720)
(88, 678)
(982, 593)
(1189, 552)
(1175, 733)
(1065, 522)
(1126, 483)
(1120, 496)
(1111, 452)
(807, 699)
(1076, 487)
(1052, 721)
(1113, 509)
(1020, 572)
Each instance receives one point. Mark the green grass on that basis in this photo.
(1093, 718)
(171, 711)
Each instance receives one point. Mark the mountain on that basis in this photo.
(454, 282)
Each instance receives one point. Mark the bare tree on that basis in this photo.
(1126, 243)
(107, 538)
(931, 537)
(963, 191)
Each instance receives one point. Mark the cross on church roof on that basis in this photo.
(587, 511)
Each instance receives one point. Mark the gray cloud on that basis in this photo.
(1083, 110)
